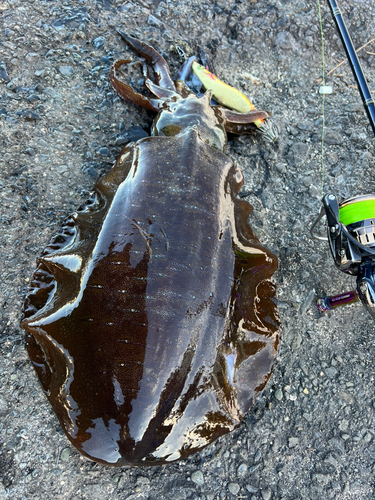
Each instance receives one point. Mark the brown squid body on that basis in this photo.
(151, 319)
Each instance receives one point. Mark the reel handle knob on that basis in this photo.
(333, 301)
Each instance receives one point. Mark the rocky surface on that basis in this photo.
(311, 434)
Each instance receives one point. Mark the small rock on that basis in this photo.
(50, 91)
(266, 494)
(321, 478)
(293, 442)
(234, 488)
(279, 395)
(314, 258)
(104, 151)
(325, 89)
(143, 481)
(153, 21)
(33, 98)
(99, 42)
(121, 140)
(66, 70)
(32, 56)
(305, 126)
(367, 437)
(197, 478)
(61, 169)
(92, 172)
(28, 115)
(254, 468)
(136, 133)
(285, 41)
(251, 489)
(3, 72)
(314, 192)
(307, 416)
(296, 342)
(65, 455)
(330, 460)
(242, 470)
(308, 301)
(332, 137)
(331, 372)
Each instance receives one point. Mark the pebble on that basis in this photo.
(325, 89)
(266, 494)
(281, 167)
(234, 488)
(279, 395)
(143, 481)
(92, 172)
(66, 70)
(242, 470)
(99, 42)
(103, 151)
(308, 301)
(28, 115)
(296, 342)
(321, 478)
(50, 91)
(293, 442)
(32, 57)
(33, 98)
(153, 21)
(314, 192)
(305, 126)
(367, 437)
(65, 455)
(332, 137)
(331, 372)
(3, 72)
(254, 468)
(284, 41)
(197, 478)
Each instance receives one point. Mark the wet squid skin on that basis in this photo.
(150, 319)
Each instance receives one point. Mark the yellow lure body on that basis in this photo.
(224, 94)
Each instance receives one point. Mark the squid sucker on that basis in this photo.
(151, 318)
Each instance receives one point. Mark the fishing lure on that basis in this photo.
(151, 320)
(233, 99)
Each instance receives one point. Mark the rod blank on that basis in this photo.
(364, 90)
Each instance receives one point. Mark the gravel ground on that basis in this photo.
(311, 434)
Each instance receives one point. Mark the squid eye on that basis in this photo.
(170, 130)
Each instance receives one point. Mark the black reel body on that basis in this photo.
(351, 237)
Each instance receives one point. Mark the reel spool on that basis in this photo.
(351, 237)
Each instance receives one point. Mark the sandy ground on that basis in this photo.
(311, 434)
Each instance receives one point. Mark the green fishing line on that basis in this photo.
(357, 211)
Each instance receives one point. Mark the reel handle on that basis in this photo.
(333, 301)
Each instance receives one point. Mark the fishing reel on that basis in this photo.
(351, 237)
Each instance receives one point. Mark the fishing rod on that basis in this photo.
(351, 223)
(351, 54)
